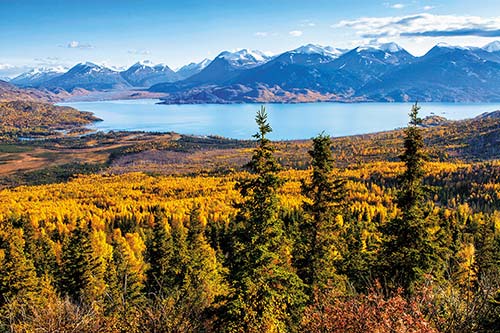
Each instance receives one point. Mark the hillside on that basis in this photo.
(23, 118)
(10, 92)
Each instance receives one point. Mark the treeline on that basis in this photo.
(385, 247)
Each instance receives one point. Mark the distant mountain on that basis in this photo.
(367, 64)
(87, 76)
(226, 66)
(384, 72)
(296, 69)
(37, 76)
(191, 69)
(146, 74)
(445, 73)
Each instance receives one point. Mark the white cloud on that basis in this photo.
(78, 45)
(295, 33)
(5, 66)
(423, 25)
(261, 34)
(428, 7)
(398, 6)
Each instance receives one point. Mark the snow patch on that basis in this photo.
(492, 47)
(326, 51)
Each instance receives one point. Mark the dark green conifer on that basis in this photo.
(409, 252)
(77, 263)
(321, 230)
(267, 293)
(159, 254)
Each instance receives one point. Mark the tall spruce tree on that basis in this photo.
(77, 263)
(267, 293)
(408, 251)
(321, 230)
(160, 250)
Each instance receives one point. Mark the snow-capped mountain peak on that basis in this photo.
(391, 47)
(88, 64)
(148, 66)
(492, 47)
(326, 51)
(387, 47)
(192, 68)
(142, 64)
(367, 48)
(145, 73)
(195, 65)
(443, 45)
(244, 57)
(88, 67)
(38, 75)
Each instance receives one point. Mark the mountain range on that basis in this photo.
(91, 76)
(309, 73)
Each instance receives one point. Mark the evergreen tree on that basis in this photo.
(267, 293)
(168, 257)
(321, 231)
(358, 257)
(409, 252)
(159, 255)
(77, 263)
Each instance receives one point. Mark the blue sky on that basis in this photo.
(119, 33)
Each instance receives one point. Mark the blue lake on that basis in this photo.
(289, 121)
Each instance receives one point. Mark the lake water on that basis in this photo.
(289, 121)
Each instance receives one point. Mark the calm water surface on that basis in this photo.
(289, 121)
